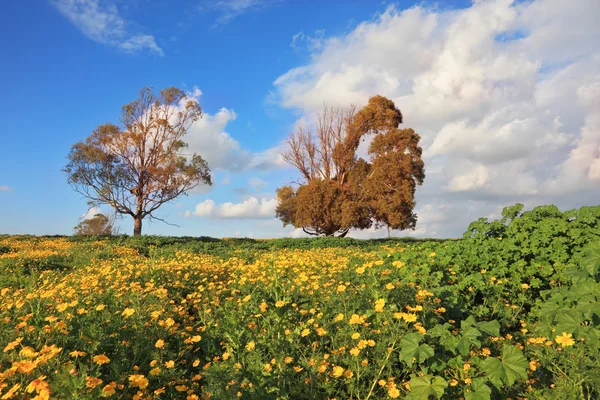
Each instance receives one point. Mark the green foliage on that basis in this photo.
(512, 310)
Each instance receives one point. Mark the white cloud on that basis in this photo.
(4, 188)
(91, 213)
(504, 94)
(257, 184)
(474, 178)
(251, 208)
(229, 9)
(209, 138)
(102, 22)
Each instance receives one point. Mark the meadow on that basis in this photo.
(510, 310)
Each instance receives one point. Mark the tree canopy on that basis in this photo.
(99, 224)
(338, 190)
(140, 165)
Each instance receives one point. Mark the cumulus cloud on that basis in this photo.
(101, 22)
(91, 213)
(4, 188)
(251, 208)
(209, 138)
(505, 95)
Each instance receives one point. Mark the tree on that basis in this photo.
(138, 166)
(338, 190)
(99, 224)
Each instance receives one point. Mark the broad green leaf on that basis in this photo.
(591, 260)
(510, 367)
(421, 387)
(569, 322)
(446, 339)
(478, 391)
(469, 337)
(411, 351)
(489, 327)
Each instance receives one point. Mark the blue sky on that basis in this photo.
(263, 66)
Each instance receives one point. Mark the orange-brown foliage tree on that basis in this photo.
(340, 191)
(137, 167)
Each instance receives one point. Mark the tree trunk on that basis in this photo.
(137, 226)
(389, 233)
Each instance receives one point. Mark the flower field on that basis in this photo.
(510, 310)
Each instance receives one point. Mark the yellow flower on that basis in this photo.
(565, 340)
(128, 312)
(348, 374)
(12, 391)
(453, 382)
(25, 367)
(389, 286)
(379, 304)
(268, 367)
(354, 351)
(393, 392)
(250, 346)
(288, 360)
(170, 364)
(321, 332)
(337, 371)
(279, 303)
(305, 332)
(339, 317)
(341, 288)
(100, 307)
(13, 344)
(76, 353)
(360, 270)
(398, 264)
(355, 335)
(226, 356)
(159, 344)
(139, 381)
(155, 371)
(263, 307)
(356, 319)
(532, 365)
(525, 286)
(101, 359)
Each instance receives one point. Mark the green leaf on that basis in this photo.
(421, 387)
(411, 351)
(591, 260)
(510, 367)
(446, 339)
(489, 327)
(469, 337)
(479, 391)
(569, 322)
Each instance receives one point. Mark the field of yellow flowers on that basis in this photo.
(509, 311)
